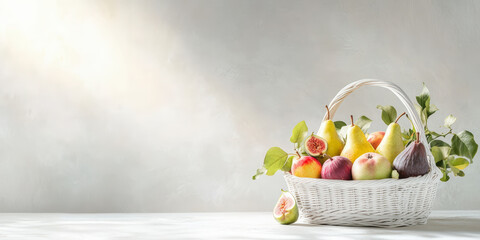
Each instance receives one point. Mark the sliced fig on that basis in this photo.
(315, 145)
(286, 210)
(412, 161)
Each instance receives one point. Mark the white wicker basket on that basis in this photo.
(380, 203)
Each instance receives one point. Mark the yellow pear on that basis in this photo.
(328, 132)
(356, 144)
(392, 143)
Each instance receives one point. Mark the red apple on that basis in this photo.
(307, 166)
(371, 166)
(337, 168)
(375, 138)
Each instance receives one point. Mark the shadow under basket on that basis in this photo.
(377, 203)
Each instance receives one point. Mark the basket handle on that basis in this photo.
(412, 113)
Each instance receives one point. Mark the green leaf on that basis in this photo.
(425, 109)
(418, 108)
(440, 153)
(301, 149)
(389, 114)
(439, 143)
(424, 98)
(260, 171)
(300, 146)
(429, 138)
(435, 134)
(463, 144)
(449, 120)
(364, 123)
(422, 113)
(408, 136)
(455, 170)
(431, 109)
(339, 124)
(288, 164)
(424, 117)
(439, 164)
(343, 133)
(445, 175)
(298, 132)
(460, 163)
(274, 160)
(457, 165)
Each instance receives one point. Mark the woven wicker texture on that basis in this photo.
(380, 203)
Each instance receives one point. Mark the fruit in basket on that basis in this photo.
(395, 174)
(337, 167)
(307, 166)
(286, 210)
(328, 132)
(371, 166)
(412, 161)
(375, 138)
(392, 143)
(356, 144)
(315, 145)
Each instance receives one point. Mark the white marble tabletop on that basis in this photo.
(245, 225)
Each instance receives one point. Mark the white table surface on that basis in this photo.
(248, 225)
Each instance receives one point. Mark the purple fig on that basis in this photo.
(337, 168)
(412, 161)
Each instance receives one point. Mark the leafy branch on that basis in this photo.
(277, 159)
(449, 158)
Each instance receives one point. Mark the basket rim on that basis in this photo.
(359, 183)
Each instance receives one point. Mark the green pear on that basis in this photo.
(328, 132)
(392, 143)
(356, 144)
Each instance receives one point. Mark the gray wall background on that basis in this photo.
(170, 106)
